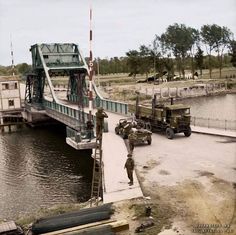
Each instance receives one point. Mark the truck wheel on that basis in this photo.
(131, 146)
(148, 126)
(188, 132)
(170, 133)
(117, 130)
(149, 141)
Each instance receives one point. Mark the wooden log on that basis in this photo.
(77, 228)
(116, 226)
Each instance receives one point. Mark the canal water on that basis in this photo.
(38, 169)
(221, 107)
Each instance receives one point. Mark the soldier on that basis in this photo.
(127, 130)
(129, 165)
(89, 127)
(100, 115)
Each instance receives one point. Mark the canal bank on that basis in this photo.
(213, 131)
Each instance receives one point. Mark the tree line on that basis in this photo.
(178, 49)
(181, 47)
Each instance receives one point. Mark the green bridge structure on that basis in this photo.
(42, 102)
(50, 61)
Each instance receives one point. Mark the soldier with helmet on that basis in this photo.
(100, 115)
(129, 165)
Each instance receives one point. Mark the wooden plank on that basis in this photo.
(119, 225)
(7, 226)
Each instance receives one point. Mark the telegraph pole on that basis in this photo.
(90, 67)
(12, 59)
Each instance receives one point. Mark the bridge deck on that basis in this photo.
(114, 157)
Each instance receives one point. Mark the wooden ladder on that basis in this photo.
(97, 174)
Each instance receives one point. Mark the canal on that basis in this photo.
(215, 107)
(38, 169)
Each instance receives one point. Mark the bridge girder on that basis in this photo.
(56, 59)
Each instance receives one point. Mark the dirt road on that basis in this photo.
(191, 182)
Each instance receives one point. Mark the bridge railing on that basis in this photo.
(229, 125)
(110, 105)
(79, 136)
(68, 115)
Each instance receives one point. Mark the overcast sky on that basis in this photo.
(118, 25)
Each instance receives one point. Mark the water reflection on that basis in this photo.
(38, 169)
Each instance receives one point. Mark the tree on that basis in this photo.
(233, 52)
(165, 60)
(207, 34)
(145, 60)
(199, 59)
(222, 40)
(215, 38)
(23, 68)
(194, 37)
(180, 40)
(133, 62)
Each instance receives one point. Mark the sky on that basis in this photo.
(118, 25)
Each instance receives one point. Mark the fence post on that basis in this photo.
(225, 124)
(208, 121)
(194, 121)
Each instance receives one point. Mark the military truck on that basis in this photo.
(171, 118)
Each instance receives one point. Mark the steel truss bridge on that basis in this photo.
(50, 61)
(64, 60)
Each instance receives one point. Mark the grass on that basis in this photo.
(162, 216)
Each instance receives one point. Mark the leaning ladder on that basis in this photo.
(97, 174)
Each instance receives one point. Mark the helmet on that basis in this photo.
(129, 155)
(100, 109)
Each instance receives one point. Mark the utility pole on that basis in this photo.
(90, 67)
(12, 58)
(98, 71)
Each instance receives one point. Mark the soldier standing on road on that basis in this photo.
(100, 115)
(129, 165)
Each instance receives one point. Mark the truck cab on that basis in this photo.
(178, 120)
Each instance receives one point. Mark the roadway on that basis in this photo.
(114, 157)
(194, 177)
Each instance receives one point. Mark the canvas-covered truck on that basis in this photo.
(171, 118)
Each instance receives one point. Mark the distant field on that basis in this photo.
(121, 80)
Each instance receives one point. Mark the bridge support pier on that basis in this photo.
(36, 117)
